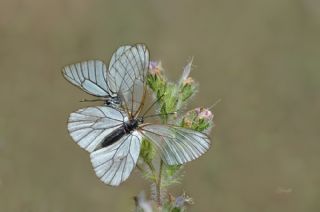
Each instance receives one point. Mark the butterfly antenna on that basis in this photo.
(91, 100)
(155, 102)
(214, 104)
(160, 114)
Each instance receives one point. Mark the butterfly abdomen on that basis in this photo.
(115, 135)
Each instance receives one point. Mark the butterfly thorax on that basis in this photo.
(130, 125)
(113, 101)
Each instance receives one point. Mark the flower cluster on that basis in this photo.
(199, 119)
(171, 98)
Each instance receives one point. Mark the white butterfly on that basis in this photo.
(92, 76)
(113, 136)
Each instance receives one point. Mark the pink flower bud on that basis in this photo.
(155, 68)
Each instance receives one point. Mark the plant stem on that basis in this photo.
(152, 169)
(158, 185)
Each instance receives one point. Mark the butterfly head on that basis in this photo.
(113, 101)
(140, 120)
(131, 125)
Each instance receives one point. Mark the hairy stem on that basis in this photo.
(153, 170)
(158, 186)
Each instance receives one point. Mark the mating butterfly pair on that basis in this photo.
(113, 133)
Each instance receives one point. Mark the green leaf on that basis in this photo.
(147, 151)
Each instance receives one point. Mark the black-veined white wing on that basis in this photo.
(118, 53)
(113, 164)
(89, 126)
(90, 76)
(177, 145)
(127, 73)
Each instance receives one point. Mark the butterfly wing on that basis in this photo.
(126, 76)
(118, 53)
(90, 76)
(113, 164)
(177, 145)
(89, 126)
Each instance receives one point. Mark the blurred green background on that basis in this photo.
(260, 57)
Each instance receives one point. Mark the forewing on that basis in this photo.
(118, 53)
(177, 145)
(127, 72)
(90, 76)
(89, 126)
(113, 164)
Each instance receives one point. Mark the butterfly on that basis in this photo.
(113, 136)
(115, 84)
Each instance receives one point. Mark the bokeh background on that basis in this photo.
(261, 58)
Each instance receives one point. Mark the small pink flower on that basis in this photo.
(182, 200)
(198, 110)
(204, 113)
(155, 68)
(153, 64)
(188, 81)
(143, 203)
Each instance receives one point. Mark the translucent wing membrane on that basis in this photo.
(127, 72)
(90, 76)
(118, 53)
(88, 127)
(125, 77)
(176, 145)
(113, 164)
